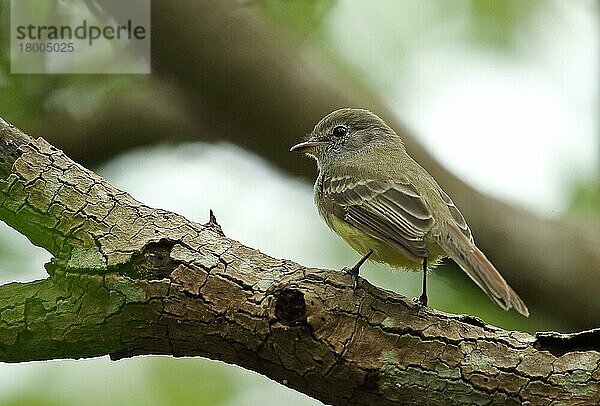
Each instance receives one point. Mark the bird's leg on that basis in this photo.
(354, 271)
(422, 300)
(356, 268)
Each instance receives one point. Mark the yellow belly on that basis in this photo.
(382, 252)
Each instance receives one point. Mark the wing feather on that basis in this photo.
(457, 216)
(388, 210)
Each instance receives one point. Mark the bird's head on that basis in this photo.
(344, 133)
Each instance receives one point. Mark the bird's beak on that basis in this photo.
(307, 146)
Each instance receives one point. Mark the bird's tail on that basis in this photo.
(482, 272)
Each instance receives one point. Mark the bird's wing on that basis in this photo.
(389, 210)
(457, 216)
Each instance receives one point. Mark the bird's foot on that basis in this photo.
(421, 300)
(355, 270)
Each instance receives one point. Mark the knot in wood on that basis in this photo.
(290, 307)
(155, 261)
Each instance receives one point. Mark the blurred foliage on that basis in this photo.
(497, 23)
(188, 382)
(31, 400)
(146, 380)
(22, 96)
(492, 23)
(585, 200)
(304, 17)
(26, 98)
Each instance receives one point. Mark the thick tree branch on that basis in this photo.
(127, 280)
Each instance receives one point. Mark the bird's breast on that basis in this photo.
(362, 242)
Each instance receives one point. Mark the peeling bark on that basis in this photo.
(127, 280)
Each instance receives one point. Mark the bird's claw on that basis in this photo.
(421, 300)
(355, 270)
(352, 271)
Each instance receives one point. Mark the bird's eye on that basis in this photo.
(340, 131)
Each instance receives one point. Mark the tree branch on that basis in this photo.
(127, 279)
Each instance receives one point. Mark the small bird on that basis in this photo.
(387, 207)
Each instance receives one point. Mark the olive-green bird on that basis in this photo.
(386, 206)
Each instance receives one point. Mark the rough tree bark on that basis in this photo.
(127, 279)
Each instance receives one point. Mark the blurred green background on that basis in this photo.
(502, 93)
